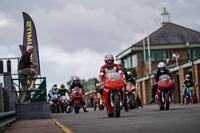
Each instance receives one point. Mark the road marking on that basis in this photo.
(64, 128)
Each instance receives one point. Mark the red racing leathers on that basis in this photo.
(105, 69)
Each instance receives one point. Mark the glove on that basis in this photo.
(101, 83)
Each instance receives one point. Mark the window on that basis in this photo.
(134, 60)
(127, 62)
(190, 54)
(197, 52)
(168, 55)
(155, 55)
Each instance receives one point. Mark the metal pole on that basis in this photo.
(144, 49)
(149, 55)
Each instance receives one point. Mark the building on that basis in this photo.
(171, 43)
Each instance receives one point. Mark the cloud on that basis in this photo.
(74, 36)
(59, 66)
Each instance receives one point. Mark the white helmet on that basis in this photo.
(161, 65)
(109, 57)
(187, 77)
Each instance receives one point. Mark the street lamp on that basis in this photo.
(176, 56)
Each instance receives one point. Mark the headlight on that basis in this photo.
(126, 92)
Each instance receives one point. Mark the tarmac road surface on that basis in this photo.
(149, 119)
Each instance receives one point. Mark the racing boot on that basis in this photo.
(84, 109)
(152, 100)
(68, 109)
(153, 93)
(126, 109)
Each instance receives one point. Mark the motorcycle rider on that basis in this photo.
(133, 81)
(76, 83)
(62, 90)
(54, 90)
(161, 70)
(96, 91)
(109, 67)
(187, 83)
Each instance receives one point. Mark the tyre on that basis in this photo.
(166, 104)
(161, 107)
(186, 101)
(77, 107)
(65, 107)
(102, 107)
(192, 99)
(95, 106)
(55, 108)
(62, 107)
(117, 105)
(130, 102)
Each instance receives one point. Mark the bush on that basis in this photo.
(133, 70)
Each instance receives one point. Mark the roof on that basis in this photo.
(171, 34)
(168, 34)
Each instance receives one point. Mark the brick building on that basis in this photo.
(171, 43)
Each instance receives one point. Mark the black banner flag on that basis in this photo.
(30, 38)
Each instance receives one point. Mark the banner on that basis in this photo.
(30, 38)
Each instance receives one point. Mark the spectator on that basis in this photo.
(24, 69)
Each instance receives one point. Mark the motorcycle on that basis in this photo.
(189, 95)
(64, 103)
(98, 101)
(164, 91)
(131, 95)
(76, 99)
(113, 94)
(54, 106)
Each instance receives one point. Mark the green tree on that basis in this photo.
(133, 70)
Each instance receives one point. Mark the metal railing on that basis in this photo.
(39, 95)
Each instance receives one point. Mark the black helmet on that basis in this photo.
(62, 86)
(187, 77)
(55, 85)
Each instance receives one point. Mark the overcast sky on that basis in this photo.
(74, 35)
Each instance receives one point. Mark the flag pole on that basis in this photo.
(144, 49)
(149, 54)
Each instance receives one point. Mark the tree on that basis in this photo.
(134, 73)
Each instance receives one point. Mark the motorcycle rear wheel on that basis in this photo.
(161, 108)
(131, 101)
(192, 99)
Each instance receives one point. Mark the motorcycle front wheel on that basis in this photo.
(77, 107)
(166, 104)
(117, 105)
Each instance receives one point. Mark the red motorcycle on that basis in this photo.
(113, 94)
(131, 95)
(76, 99)
(164, 91)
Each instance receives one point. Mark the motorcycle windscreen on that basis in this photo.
(165, 81)
(113, 80)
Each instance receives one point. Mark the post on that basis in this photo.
(149, 55)
(1, 99)
(144, 49)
